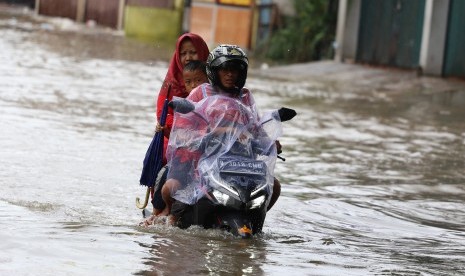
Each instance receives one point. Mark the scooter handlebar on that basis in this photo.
(183, 106)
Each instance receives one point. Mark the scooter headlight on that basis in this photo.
(256, 203)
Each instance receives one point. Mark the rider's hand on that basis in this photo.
(278, 147)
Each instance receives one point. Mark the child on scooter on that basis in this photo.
(194, 73)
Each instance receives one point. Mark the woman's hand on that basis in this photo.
(159, 128)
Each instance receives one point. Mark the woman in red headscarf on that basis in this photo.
(188, 47)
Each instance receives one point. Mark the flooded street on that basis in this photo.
(373, 183)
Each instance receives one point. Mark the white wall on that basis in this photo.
(433, 41)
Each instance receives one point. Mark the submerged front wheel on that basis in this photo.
(242, 224)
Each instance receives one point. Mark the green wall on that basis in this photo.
(390, 32)
(454, 58)
(154, 25)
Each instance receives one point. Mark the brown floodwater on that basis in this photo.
(373, 183)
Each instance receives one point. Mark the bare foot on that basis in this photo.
(164, 213)
(148, 221)
(171, 220)
(157, 212)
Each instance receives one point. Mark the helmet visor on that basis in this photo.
(232, 65)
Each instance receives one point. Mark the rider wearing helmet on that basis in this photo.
(227, 72)
(229, 58)
(223, 61)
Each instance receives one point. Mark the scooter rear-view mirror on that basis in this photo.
(286, 114)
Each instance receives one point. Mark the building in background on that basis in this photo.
(155, 21)
(243, 22)
(246, 23)
(28, 3)
(423, 34)
(223, 21)
(103, 12)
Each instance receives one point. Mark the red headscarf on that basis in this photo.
(174, 78)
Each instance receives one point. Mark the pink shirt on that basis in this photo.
(204, 90)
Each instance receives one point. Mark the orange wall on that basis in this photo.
(201, 22)
(222, 24)
(236, 2)
(233, 26)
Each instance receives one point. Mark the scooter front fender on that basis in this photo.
(244, 224)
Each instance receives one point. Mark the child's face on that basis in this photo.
(192, 79)
(228, 77)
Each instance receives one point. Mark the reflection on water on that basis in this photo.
(181, 253)
(372, 185)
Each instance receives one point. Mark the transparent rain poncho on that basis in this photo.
(219, 128)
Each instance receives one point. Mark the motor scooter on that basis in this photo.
(234, 176)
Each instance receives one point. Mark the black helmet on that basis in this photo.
(227, 56)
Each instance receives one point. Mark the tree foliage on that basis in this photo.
(306, 36)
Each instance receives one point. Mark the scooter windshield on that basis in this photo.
(220, 133)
